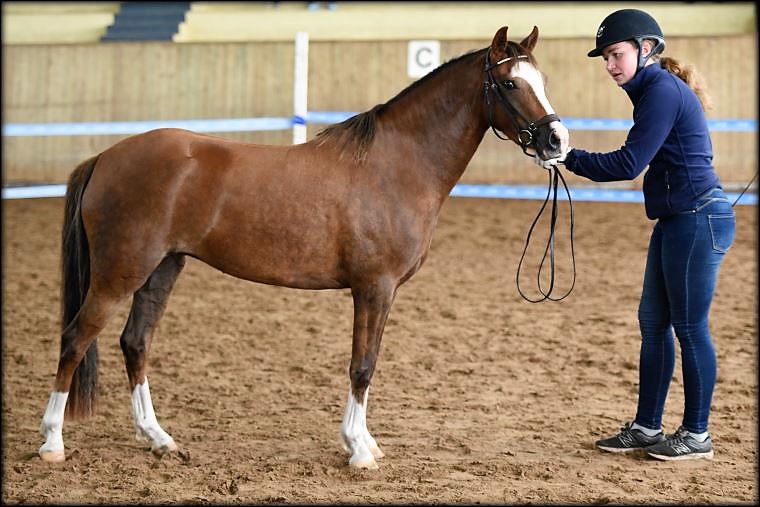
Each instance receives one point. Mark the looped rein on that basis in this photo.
(526, 137)
(554, 177)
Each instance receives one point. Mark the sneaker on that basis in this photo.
(681, 445)
(629, 439)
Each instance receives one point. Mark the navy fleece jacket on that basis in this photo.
(669, 134)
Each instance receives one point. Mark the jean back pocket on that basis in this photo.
(722, 230)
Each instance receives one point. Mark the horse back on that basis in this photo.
(257, 212)
(298, 216)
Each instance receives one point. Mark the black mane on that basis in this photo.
(359, 130)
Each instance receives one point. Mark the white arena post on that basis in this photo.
(300, 87)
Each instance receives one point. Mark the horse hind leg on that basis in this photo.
(78, 355)
(371, 308)
(147, 309)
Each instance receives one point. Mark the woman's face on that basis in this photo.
(621, 60)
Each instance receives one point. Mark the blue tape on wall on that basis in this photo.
(33, 192)
(137, 127)
(570, 123)
(330, 117)
(582, 194)
(314, 117)
(460, 190)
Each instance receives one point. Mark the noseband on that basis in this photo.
(525, 136)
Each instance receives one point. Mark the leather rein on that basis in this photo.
(525, 138)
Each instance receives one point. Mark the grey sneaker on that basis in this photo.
(628, 440)
(681, 445)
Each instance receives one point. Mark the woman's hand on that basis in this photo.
(548, 164)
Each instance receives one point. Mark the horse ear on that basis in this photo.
(499, 43)
(529, 42)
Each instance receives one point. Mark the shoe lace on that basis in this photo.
(678, 436)
(626, 427)
(626, 434)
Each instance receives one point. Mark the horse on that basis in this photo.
(353, 208)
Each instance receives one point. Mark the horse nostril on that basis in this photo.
(554, 140)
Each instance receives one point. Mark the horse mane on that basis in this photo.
(357, 132)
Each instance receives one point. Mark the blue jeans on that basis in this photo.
(685, 252)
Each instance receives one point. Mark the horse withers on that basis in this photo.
(354, 208)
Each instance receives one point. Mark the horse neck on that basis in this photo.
(440, 122)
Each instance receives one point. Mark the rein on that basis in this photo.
(745, 189)
(554, 177)
(526, 137)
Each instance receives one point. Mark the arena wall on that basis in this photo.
(101, 82)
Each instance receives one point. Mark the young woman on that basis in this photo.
(695, 226)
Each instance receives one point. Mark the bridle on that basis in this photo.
(525, 136)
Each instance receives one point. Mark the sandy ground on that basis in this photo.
(479, 396)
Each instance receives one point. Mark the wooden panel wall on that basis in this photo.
(165, 81)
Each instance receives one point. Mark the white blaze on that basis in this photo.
(532, 76)
(529, 73)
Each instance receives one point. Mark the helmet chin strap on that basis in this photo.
(643, 59)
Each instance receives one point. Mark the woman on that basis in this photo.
(695, 226)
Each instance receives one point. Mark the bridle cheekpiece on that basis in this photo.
(525, 136)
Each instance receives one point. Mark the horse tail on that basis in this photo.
(75, 282)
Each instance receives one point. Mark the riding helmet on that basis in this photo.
(629, 24)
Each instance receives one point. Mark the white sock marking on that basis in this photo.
(355, 435)
(145, 420)
(52, 423)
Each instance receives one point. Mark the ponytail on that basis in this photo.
(687, 73)
(690, 76)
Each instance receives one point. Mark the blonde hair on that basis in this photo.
(688, 75)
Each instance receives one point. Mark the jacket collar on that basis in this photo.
(636, 86)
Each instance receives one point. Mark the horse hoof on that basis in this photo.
(377, 453)
(53, 456)
(165, 449)
(367, 463)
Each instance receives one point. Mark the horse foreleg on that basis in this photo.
(371, 308)
(147, 309)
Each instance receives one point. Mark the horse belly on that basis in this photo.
(278, 248)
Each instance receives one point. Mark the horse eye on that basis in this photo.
(509, 85)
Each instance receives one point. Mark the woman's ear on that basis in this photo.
(646, 47)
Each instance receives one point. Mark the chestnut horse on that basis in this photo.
(354, 208)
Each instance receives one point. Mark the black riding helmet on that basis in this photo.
(629, 24)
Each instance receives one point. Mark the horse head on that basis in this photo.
(515, 95)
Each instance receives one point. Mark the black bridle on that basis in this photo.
(525, 138)
(526, 135)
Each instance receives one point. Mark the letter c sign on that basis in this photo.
(422, 57)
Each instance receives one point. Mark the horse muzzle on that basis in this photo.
(551, 140)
